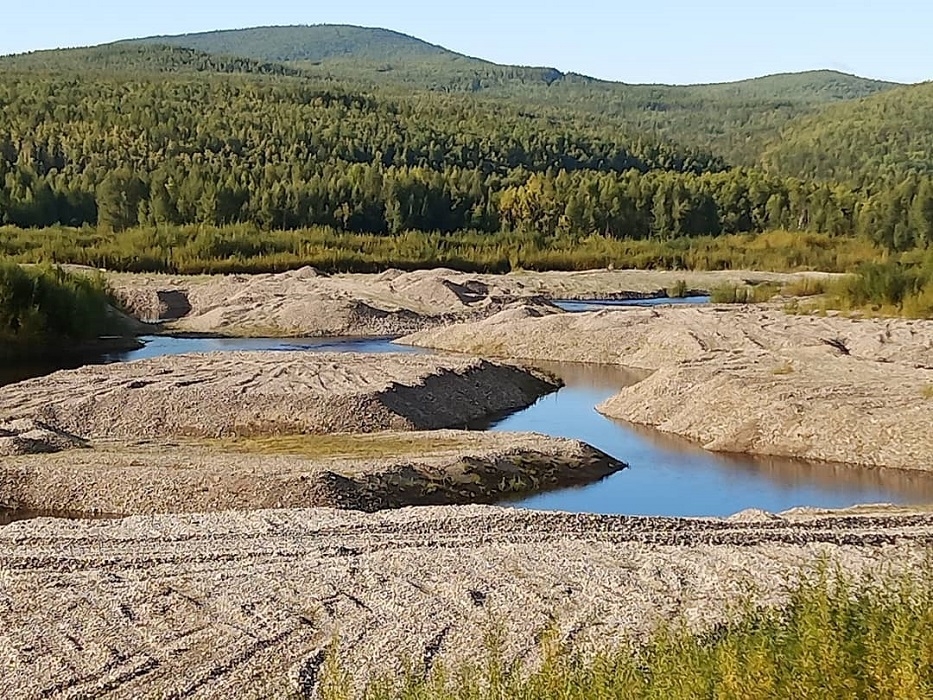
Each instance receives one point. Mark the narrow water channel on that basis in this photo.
(666, 475)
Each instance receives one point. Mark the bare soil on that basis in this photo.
(246, 604)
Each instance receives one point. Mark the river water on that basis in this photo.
(666, 475)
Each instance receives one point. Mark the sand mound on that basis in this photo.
(362, 472)
(742, 379)
(812, 405)
(273, 392)
(653, 338)
(306, 303)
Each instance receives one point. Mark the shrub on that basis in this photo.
(42, 306)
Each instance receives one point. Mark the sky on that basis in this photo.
(653, 41)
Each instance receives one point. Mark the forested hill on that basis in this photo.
(123, 59)
(735, 120)
(883, 137)
(309, 44)
(385, 55)
(146, 135)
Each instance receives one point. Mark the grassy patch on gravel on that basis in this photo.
(361, 446)
(834, 640)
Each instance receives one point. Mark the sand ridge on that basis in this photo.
(243, 393)
(361, 472)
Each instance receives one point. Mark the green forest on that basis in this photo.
(225, 145)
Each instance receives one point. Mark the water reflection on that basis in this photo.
(575, 305)
(672, 476)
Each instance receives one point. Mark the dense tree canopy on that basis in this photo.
(136, 135)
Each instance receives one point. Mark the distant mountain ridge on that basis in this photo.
(782, 122)
(307, 43)
(324, 43)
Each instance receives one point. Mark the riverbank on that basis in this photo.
(250, 602)
(745, 379)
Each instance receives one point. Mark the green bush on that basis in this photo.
(42, 306)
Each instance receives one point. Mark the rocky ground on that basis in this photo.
(741, 378)
(363, 472)
(263, 393)
(307, 303)
(246, 604)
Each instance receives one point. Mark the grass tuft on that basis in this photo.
(362, 446)
(679, 290)
(744, 294)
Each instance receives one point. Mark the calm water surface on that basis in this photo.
(577, 306)
(666, 476)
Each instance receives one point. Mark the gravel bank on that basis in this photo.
(245, 604)
(219, 394)
(362, 472)
(741, 379)
(307, 303)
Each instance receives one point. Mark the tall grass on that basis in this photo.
(44, 309)
(835, 639)
(884, 289)
(247, 249)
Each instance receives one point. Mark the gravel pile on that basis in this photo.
(246, 604)
(222, 394)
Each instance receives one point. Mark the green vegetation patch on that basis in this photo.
(835, 639)
(43, 307)
(247, 249)
(360, 446)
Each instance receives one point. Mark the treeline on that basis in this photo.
(372, 198)
(43, 307)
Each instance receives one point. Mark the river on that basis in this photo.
(666, 475)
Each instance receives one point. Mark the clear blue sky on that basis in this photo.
(671, 41)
